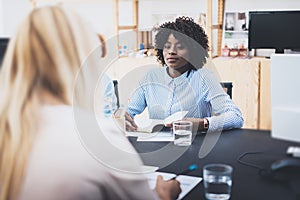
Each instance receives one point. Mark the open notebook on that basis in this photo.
(187, 183)
(157, 125)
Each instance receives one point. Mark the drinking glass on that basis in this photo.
(182, 131)
(217, 181)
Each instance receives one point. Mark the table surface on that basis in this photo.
(247, 183)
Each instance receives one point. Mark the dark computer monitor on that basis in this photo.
(3, 46)
(277, 30)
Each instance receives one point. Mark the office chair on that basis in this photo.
(228, 88)
(116, 92)
(3, 45)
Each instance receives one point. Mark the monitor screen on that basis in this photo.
(274, 30)
(3, 46)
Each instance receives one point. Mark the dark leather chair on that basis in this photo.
(116, 92)
(228, 88)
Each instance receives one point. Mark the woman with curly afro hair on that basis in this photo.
(182, 84)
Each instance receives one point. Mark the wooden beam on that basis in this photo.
(208, 26)
(127, 27)
(135, 9)
(116, 20)
(134, 26)
(217, 26)
(221, 4)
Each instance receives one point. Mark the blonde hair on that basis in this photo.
(45, 55)
(102, 40)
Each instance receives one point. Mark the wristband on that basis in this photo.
(205, 124)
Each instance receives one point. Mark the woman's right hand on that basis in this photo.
(130, 124)
(167, 190)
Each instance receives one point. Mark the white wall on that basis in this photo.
(99, 14)
(148, 8)
(1, 18)
(13, 11)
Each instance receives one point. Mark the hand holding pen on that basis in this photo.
(167, 190)
(170, 189)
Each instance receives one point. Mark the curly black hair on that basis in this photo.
(190, 33)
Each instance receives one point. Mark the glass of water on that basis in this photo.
(217, 181)
(182, 131)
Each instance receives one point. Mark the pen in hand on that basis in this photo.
(191, 168)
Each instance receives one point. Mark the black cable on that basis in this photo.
(262, 171)
(293, 184)
(239, 159)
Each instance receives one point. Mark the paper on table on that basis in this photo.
(139, 134)
(157, 137)
(149, 169)
(187, 183)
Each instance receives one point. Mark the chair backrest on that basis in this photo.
(3, 46)
(228, 88)
(116, 92)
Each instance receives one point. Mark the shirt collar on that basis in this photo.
(178, 80)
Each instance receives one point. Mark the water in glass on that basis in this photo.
(182, 137)
(217, 187)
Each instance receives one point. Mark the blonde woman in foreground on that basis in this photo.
(49, 146)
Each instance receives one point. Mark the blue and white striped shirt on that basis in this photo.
(199, 93)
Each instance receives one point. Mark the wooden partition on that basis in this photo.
(251, 88)
(265, 95)
(244, 75)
